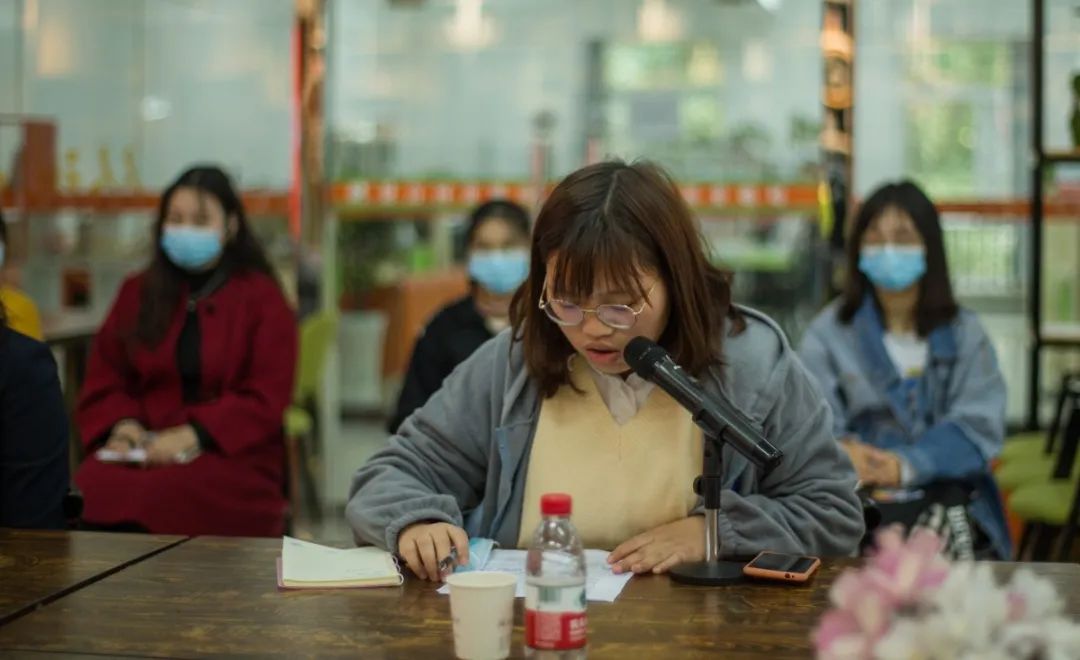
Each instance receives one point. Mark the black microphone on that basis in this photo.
(716, 416)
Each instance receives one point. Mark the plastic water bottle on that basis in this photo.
(555, 619)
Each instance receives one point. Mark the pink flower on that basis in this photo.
(908, 571)
(865, 600)
(1017, 606)
(842, 593)
(902, 574)
(907, 602)
(838, 637)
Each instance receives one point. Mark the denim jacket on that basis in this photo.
(947, 428)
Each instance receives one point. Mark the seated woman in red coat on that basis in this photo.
(194, 365)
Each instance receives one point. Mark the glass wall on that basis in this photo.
(943, 96)
(429, 103)
(714, 91)
(138, 90)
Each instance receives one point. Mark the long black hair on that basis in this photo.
(513, 213)
(936, 305)
(162, 284)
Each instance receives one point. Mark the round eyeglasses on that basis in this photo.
(619, 317)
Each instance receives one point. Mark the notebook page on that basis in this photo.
(302, 561)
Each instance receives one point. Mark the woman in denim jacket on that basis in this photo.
(912, 379)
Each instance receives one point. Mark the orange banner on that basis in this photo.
(452, 194)
(399, 194)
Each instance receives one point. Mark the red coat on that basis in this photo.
(248, 345)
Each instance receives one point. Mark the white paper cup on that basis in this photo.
(482, 609)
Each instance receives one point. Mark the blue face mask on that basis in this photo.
(479, 554)
(191, 248)
(893, 267)
(499, 271)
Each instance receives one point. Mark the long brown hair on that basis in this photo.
(611, 221)
(162, 284)
(936, 305)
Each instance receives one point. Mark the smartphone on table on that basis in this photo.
(780, 566)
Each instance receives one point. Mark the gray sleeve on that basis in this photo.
(815, 356)
(436, 465)
(807, 504)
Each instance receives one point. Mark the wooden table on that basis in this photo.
(39, 567)
(70, 327)
(217, 597)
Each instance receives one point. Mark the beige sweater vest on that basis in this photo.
(624, 479)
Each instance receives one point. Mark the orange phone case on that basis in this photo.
(783, 576)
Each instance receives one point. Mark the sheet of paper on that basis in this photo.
(600, 583)
(129, 456)
(303, 561)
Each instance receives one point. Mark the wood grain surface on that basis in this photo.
(216, 597)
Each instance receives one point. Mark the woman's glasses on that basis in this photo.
(619, 317)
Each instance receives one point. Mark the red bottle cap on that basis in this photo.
(555, 504)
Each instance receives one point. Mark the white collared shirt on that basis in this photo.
(624, 397)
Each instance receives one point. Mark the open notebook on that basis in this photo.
(305, 565)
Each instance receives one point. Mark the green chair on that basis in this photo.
(1021, 446)
(1047, 509)
(1024, 446)
(1048, 502)
(1048, 506)
(317, 335)
(1029, 458)
(1015, 474)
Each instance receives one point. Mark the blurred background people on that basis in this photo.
(497, 254)
(33, 434)
(918, 400)
(194, 365)
(22, 314)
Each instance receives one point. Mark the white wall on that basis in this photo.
(81, 66)
(175, 82)
(9, 42)
(224, 71)
(889, 33)
(470, 113)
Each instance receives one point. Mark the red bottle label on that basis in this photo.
(555, 617)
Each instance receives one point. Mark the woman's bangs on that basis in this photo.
(599, 261)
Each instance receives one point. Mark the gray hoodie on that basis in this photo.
(463, 457)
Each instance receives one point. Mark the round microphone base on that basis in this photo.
(709, 573)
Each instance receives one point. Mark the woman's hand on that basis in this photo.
(176, 445)
(657, 550)
(424, 545)
(126, 435)
(875, 467)
(885, 468)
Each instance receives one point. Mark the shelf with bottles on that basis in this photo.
(257, 203)
(41, 180)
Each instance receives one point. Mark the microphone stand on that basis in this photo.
(713, 571)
